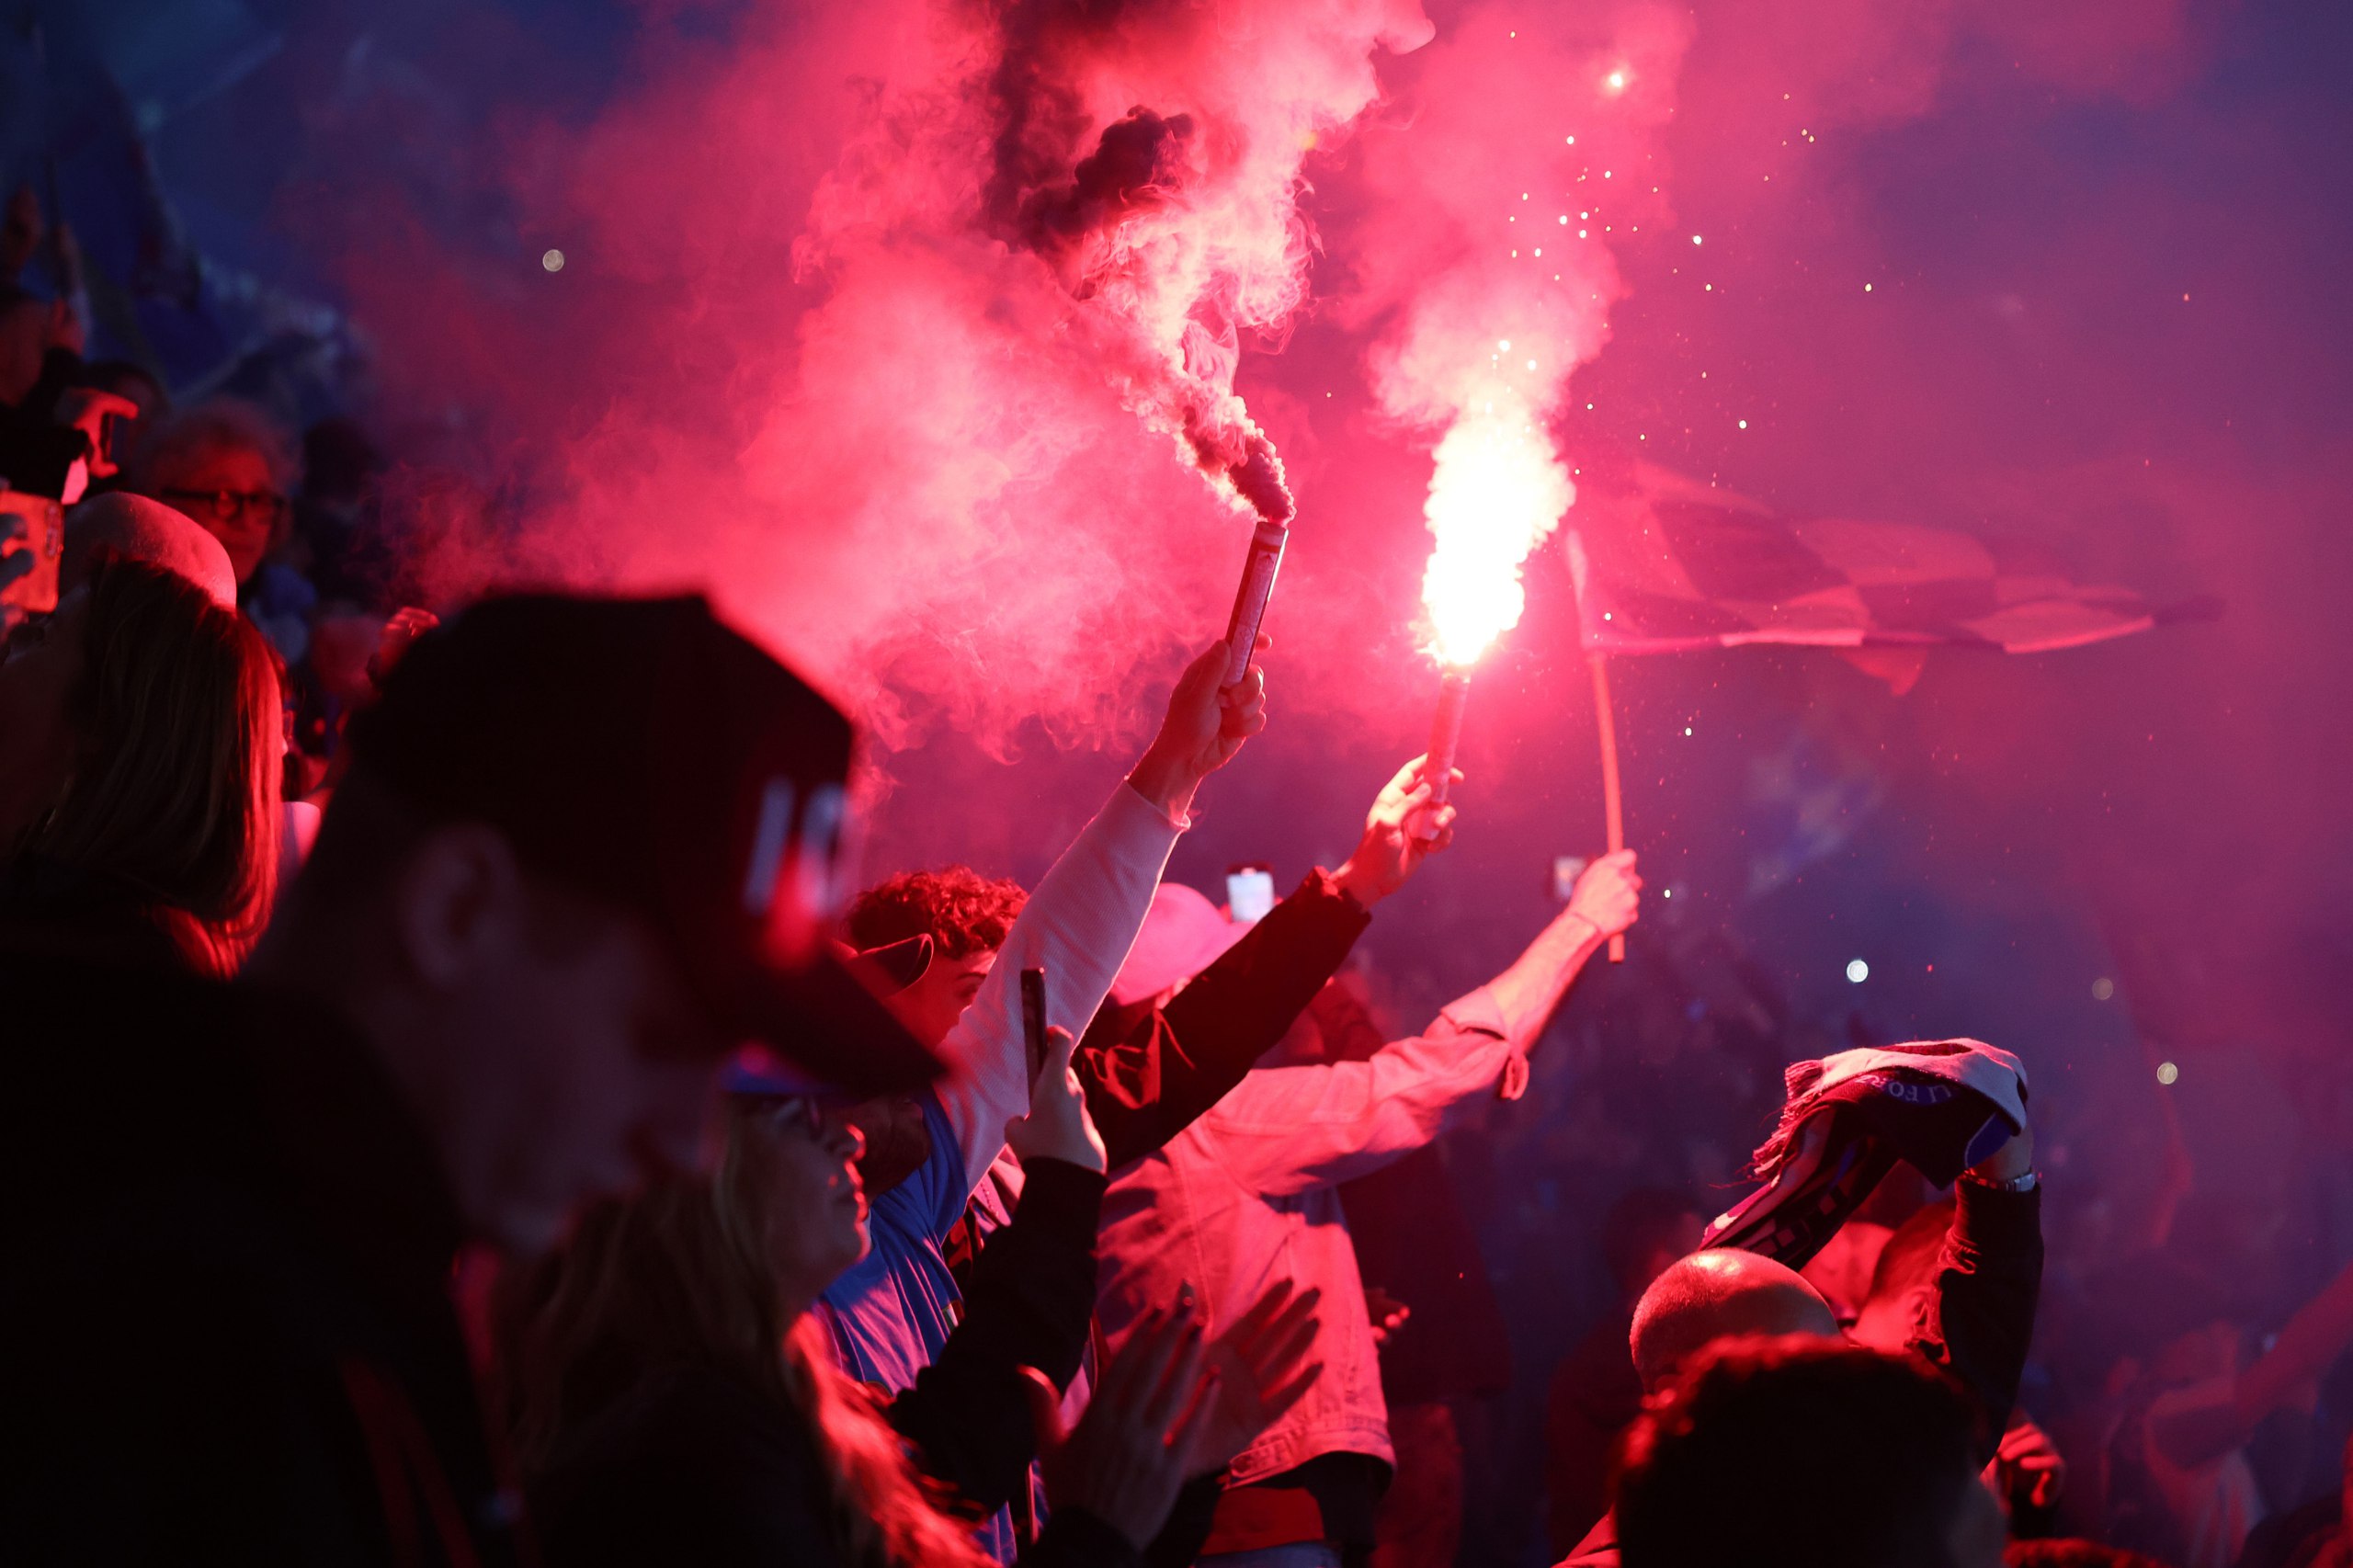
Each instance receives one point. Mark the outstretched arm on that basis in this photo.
(1083, 918)
(1289, 1129)
(1605, 901)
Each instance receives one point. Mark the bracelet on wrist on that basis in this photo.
(2026, 1183)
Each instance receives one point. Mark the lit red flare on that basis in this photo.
(1496, 491)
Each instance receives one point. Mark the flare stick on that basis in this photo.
(1445, 734)
(1258, 571)
(1613, 807)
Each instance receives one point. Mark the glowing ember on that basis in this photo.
(1496, 492)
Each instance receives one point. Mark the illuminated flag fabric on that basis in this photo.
(1687, 567)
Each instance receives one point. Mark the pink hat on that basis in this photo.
(145, 531)
(1183, 935)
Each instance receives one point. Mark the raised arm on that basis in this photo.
(1147, 1079)
(1288, 1130)
(1084, 916)
(1978, 1323)
(1605, 901)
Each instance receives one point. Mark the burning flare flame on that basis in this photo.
(1497, 491)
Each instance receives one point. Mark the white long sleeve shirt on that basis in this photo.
(890, 1313)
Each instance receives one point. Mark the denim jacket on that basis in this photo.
(1245, 1198)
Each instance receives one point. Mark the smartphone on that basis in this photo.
(1566, 870)
(39, 531)
(1249, 893)
(114, 451)
(1033, 1018)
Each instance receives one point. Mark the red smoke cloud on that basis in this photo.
(900, 325)
(869, 321)
(805, 350)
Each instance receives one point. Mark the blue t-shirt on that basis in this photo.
(890, 1315)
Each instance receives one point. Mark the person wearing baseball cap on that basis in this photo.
(587, 850)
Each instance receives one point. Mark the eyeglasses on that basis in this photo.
(226, 505)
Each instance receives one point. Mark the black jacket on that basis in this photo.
(1979, 1322)
(1151, 1071)
(224, 1331)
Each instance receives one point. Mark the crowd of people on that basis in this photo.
(466, 1113)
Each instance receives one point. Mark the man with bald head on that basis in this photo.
(1975, 1324)
(1713, 1295)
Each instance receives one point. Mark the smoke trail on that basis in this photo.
(1180, 231)
(861, 314)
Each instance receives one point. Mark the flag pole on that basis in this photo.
(1613, 805)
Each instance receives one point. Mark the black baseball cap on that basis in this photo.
(643, 751)
(761, 1073)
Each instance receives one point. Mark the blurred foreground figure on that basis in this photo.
(1247, 1195)
(1781, 1453)
(583, 852)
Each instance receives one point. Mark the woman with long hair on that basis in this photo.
(672, 1394)
(140, 757)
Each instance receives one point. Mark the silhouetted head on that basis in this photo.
(1799, 1452)
(24, 340)
(1708, 1295)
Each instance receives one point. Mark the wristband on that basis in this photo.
(2026, 1183)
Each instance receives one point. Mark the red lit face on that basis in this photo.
(815, 1202)
(246, 528)
(932, 1004)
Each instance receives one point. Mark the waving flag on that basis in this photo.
(1694, 567)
